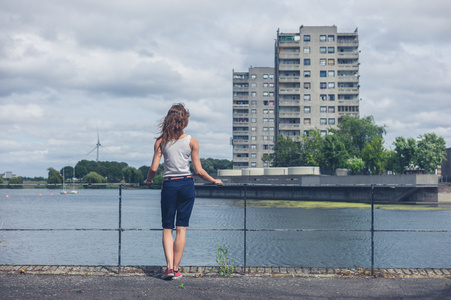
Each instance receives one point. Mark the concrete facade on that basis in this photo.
(253, 117)
(317, 79)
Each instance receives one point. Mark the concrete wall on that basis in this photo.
(382, 194)
(305, 180)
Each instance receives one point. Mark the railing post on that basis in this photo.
(372, 230)
(245, 227)
(120, 230)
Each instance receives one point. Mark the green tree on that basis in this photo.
(405, 154)
(54, 177)
(355, 164)
(267, 159)
(15, 183)
(312, 144)
(287, 152)
(132, 175)
(68, 172)
(2, 181)
(93, 177)
(431, 152)
(334, 154)
(390, 159)
(355, 133)
(373, 154)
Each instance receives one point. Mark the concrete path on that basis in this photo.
(103, 282)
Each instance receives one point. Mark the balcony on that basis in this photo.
(289, 67)
(289, 54)
(240, 141)
(289, 126)
(289, 102)
(289, 114)
(351, 78)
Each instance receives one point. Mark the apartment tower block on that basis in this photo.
(315, 81)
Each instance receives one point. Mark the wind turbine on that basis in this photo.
(97, 146)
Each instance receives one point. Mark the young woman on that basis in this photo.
(177, 195)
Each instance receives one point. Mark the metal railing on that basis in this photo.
(244, 229)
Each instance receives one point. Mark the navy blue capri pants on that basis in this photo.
(177, 201)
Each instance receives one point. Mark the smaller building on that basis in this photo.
(8, 175)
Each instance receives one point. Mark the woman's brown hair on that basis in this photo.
(171, 128)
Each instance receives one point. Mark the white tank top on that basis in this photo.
(176, 157)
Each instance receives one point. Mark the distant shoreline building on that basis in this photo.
(8, 175)
(315, 82)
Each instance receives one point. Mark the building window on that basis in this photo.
(323, 121)
(254, 129)
(306, 109)
(271, 76)
(254, 76)
(322, 85)
(265, 120)
(331, 109)
(323, 133)
(254, 147)
(253, 138)
(322, 50)
(331, 38)
(331, 85)
(253, 111)
(306, 73)
(265, 111)
(254, 102)
(253, 94)
(307, 121)
(265, 94)
(331, 61)
(331, 97)
(306, 38)
(265, 85)
(265, 129)
(331, 121)
(271, 94)
(253, 155)
(330, 49)
(254, 120)
(322, 62)
(307, 97)
(322, 38)
(253, 85)
(265, 76)
(271, 120)
(271, 129)
(323, 109)
(306, 61)
(306, 50)
(307, 85)
(331, 73)
(307, 132)
(322, 73)
(323, 97)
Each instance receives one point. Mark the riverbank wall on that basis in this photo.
(384, 188)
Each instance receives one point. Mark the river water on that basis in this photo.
(308, 234)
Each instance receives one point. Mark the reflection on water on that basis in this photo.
(337, 244)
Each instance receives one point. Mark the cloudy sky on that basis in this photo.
(68, 68)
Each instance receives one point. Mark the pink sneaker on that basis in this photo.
(177, 275)
(168, 274)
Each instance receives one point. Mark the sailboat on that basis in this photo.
(73, 184)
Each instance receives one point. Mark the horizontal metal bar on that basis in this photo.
(224, 229)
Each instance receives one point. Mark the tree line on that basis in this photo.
(86, 171)
(358, 145)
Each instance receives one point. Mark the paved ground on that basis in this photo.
(103, 282)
